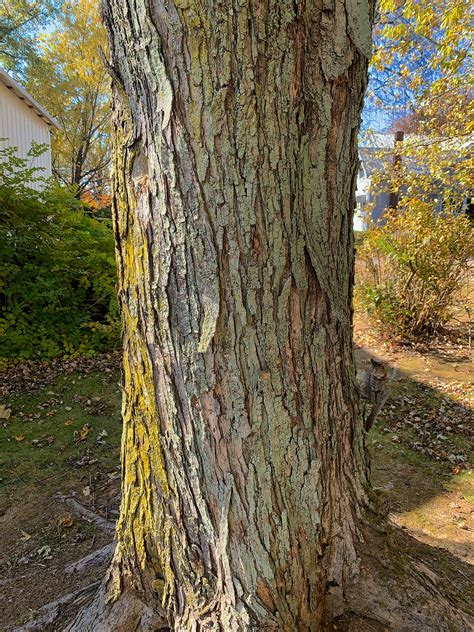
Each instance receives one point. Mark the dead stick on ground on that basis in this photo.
(106, 525)
(93, 559)
(49, 613)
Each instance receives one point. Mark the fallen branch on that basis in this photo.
(93, 559)
(49, 613)
(105, 525)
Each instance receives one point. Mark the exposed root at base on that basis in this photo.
(93, 559)
(51, 611)
(127, 614)
(89, 516)
(403, 586)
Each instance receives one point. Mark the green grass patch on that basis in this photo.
(70, 427)
(463, 484)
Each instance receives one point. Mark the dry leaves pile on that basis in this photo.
(34, 375)
(434, 424)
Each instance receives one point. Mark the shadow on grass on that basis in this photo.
(420, 448)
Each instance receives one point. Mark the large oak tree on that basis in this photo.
(244, 469)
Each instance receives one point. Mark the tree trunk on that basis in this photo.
(244, 495)
(236, 156)
(244, 469)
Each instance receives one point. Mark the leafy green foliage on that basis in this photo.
(20, 21)
(57, 270)
(413, 267)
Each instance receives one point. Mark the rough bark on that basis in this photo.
(243, 459)
(244, 469)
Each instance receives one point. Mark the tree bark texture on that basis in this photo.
(244, 468)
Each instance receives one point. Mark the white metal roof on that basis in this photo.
(22, 94)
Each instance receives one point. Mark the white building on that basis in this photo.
(376, 148)
(369, 161)
(24, 121)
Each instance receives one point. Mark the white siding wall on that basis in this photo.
(21, 125)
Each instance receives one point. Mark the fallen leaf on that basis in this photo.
(86, 491)
(19, 437)
(45, 552)
(5, 412)
(65, 521)
(25, 536)
(86, 459)
(82, 433)
(101, 437)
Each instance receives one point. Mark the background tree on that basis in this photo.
(416, 265)
(244, 469)
(69, 79)
(422, 65)
(20, 22)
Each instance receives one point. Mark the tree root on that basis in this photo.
(49, 613)
(93, 559)
(127, 614)
(402, 586)
(101, 523)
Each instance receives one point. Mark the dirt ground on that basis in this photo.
(60, 435)
(421, 445)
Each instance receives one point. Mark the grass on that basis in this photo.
(463, 484)
(72, 424)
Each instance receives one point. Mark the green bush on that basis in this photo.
(57, 270)
(411, 269)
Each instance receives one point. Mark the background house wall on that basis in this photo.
(23, 121)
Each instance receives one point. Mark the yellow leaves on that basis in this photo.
(69, 79)
(387, 6)
(415, 82)
(75, 46)
(379, 59)
(422, 63)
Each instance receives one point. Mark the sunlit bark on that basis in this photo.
(235, 158)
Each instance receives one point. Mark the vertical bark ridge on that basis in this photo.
(244, 470)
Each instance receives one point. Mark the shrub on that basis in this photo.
(57, 270)
(412, 268)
